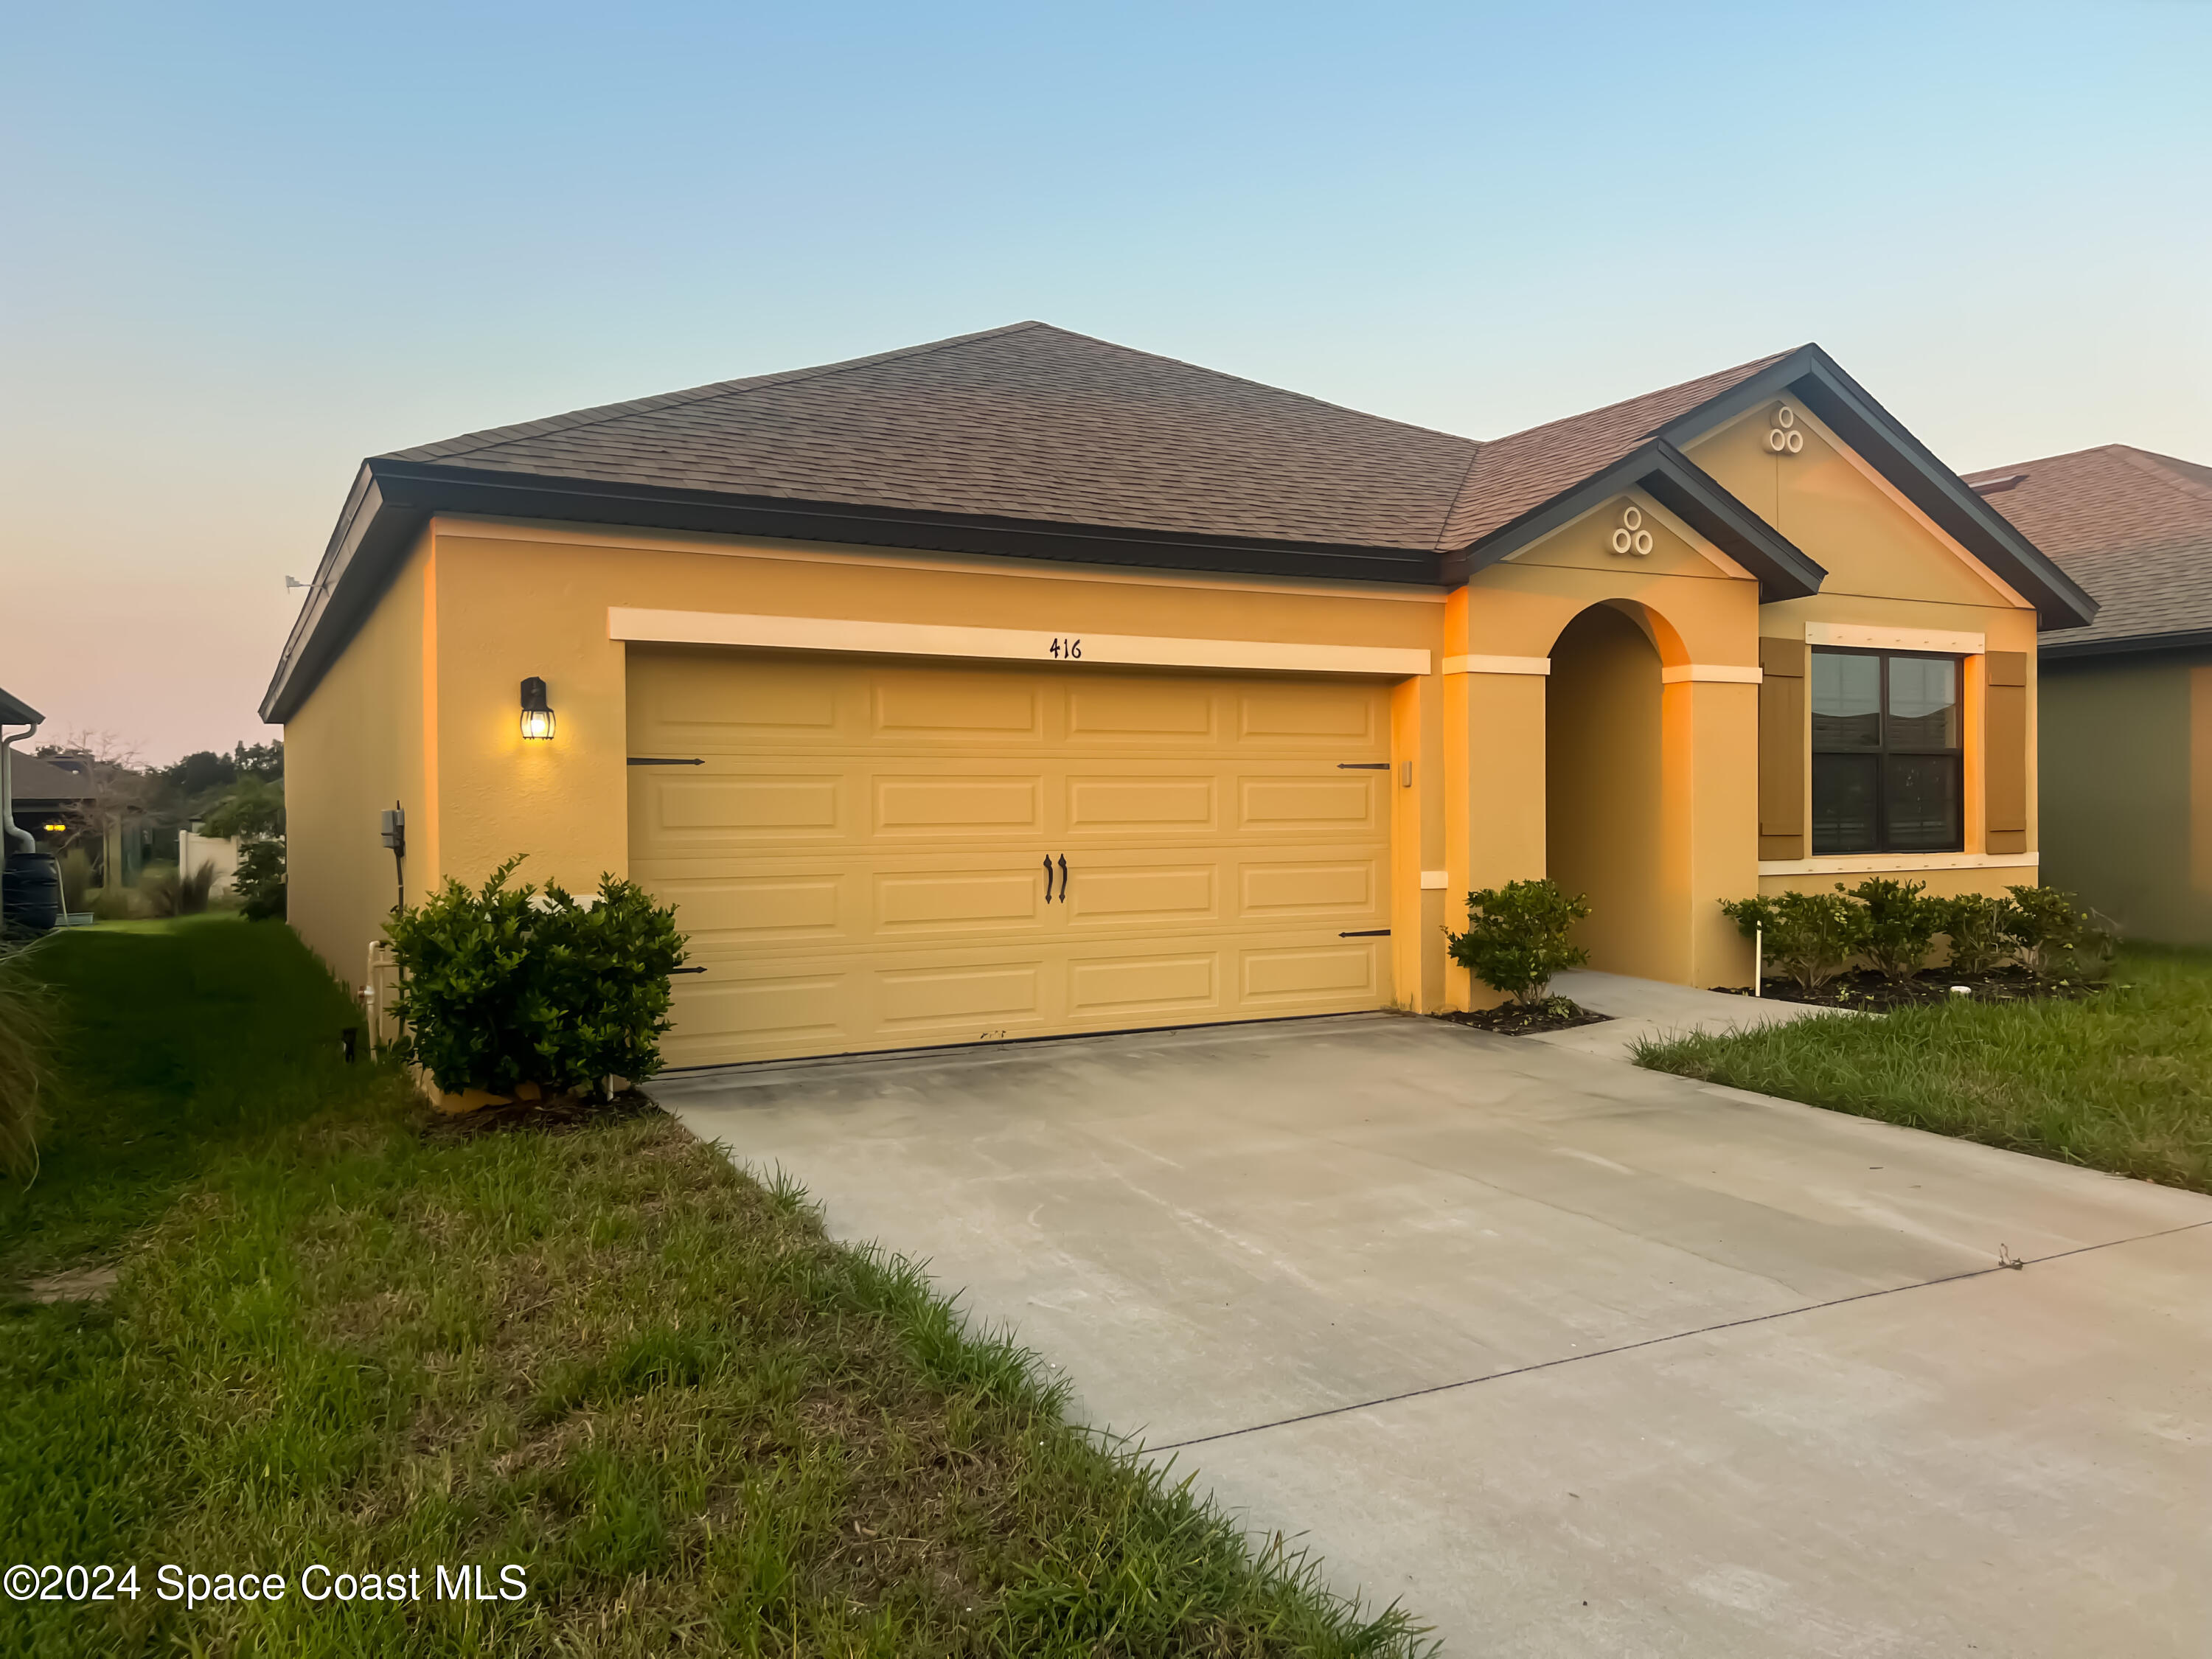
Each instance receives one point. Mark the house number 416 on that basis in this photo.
(1068, 649)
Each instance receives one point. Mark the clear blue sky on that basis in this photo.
(246, 247)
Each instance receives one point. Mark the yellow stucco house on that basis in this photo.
(1024, 683)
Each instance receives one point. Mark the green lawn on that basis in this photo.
(600, 1355)
(2122, 1081)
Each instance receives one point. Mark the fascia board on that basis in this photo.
(1845, 406)
(1672, 480)
(2130, 645)
(14, 711)
(372, 534)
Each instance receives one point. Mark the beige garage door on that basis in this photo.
(860, 858)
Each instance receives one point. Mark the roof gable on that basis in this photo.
(2132, 526)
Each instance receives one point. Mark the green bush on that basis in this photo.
(1901, 925)
(500, 987)
(251, 813)
(2051, 930)
(169, 892)
(1517, 936)
(1810, 937)
(1976, 925)
(2056, 937)
(23, 1040)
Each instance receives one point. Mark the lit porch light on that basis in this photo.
(536, 714)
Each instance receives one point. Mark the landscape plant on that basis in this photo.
(1901, 925)
(1810, 938)
(1517, 936)
(1975, 924)
(2055, 935)
(505, 987)
(251, 813)
(171, 892)
(23, 1040)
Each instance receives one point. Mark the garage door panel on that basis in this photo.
(1114, 893)
(1350, 888)
(1181, 985)
(908, 805)
(952, 902)
(919, 705)
(1335, 805)
(1300, 974)
(1300, 711)
(1179, 714)
(858, 863)
(1111, 804)
(963, 997)
(708, 701)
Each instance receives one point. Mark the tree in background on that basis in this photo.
(251, 813)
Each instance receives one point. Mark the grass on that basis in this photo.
(2121, 1081)
(343, 1334)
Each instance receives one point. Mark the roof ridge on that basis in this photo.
(495, 437)
(1747, 369)
(1265, 386)
(2161, 467)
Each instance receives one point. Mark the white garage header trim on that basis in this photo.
(1004, 644)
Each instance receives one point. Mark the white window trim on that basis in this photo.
(1006, 644)
(1845, 863)
(1896, 639)
(1715, 673)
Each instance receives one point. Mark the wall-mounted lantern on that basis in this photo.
(536, 715)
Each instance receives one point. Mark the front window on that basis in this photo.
(1887, 771)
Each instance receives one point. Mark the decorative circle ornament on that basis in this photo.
(1782, 437)
(1630, 536)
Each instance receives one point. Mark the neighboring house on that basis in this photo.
(2127, 703)
(1024, 683)
(53, 800)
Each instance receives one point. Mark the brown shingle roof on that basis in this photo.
(1515, 474)
(1026, 422)
(2133, 528)
(34, 780)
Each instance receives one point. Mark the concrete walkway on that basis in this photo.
(1572, 1358)
(1648, 1008)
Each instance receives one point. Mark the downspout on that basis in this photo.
(19, 840)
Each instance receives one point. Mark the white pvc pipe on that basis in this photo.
(1759, 960)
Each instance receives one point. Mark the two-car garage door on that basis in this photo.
(878, 853)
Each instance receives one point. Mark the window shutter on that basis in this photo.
(1782, 749)
(2004, 751)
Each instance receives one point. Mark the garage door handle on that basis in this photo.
(662, 760)
(1063, 877)
(687, 970)
(1048, 878)
(1363, 766)
(1366, 932)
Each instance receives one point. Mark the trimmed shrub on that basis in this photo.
(1901, 925)
(2058, 938)
(1517, 936)
(1810, 937)
(1975, 924)
(502, 987)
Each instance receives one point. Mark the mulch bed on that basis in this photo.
(555, 1115)
(1514, 1019)
(1865, 989)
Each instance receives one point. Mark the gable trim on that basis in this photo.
(1670, 478)
(1865, 428)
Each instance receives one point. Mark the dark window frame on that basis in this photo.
(1883, 753)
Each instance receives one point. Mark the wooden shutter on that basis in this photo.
(2004, 751)
(1782, 737)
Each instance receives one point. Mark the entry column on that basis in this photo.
(1708, 715)
(1493, 787)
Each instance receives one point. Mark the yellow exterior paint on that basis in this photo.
(1493, 776)
(859, 861)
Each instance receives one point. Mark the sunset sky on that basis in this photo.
(248, 245)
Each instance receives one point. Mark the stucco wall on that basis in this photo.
(2127, 807)
(1604, 835)
(354, 747)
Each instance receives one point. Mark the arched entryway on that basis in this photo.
(1605, 832)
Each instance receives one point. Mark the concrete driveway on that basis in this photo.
(1570, 1359)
